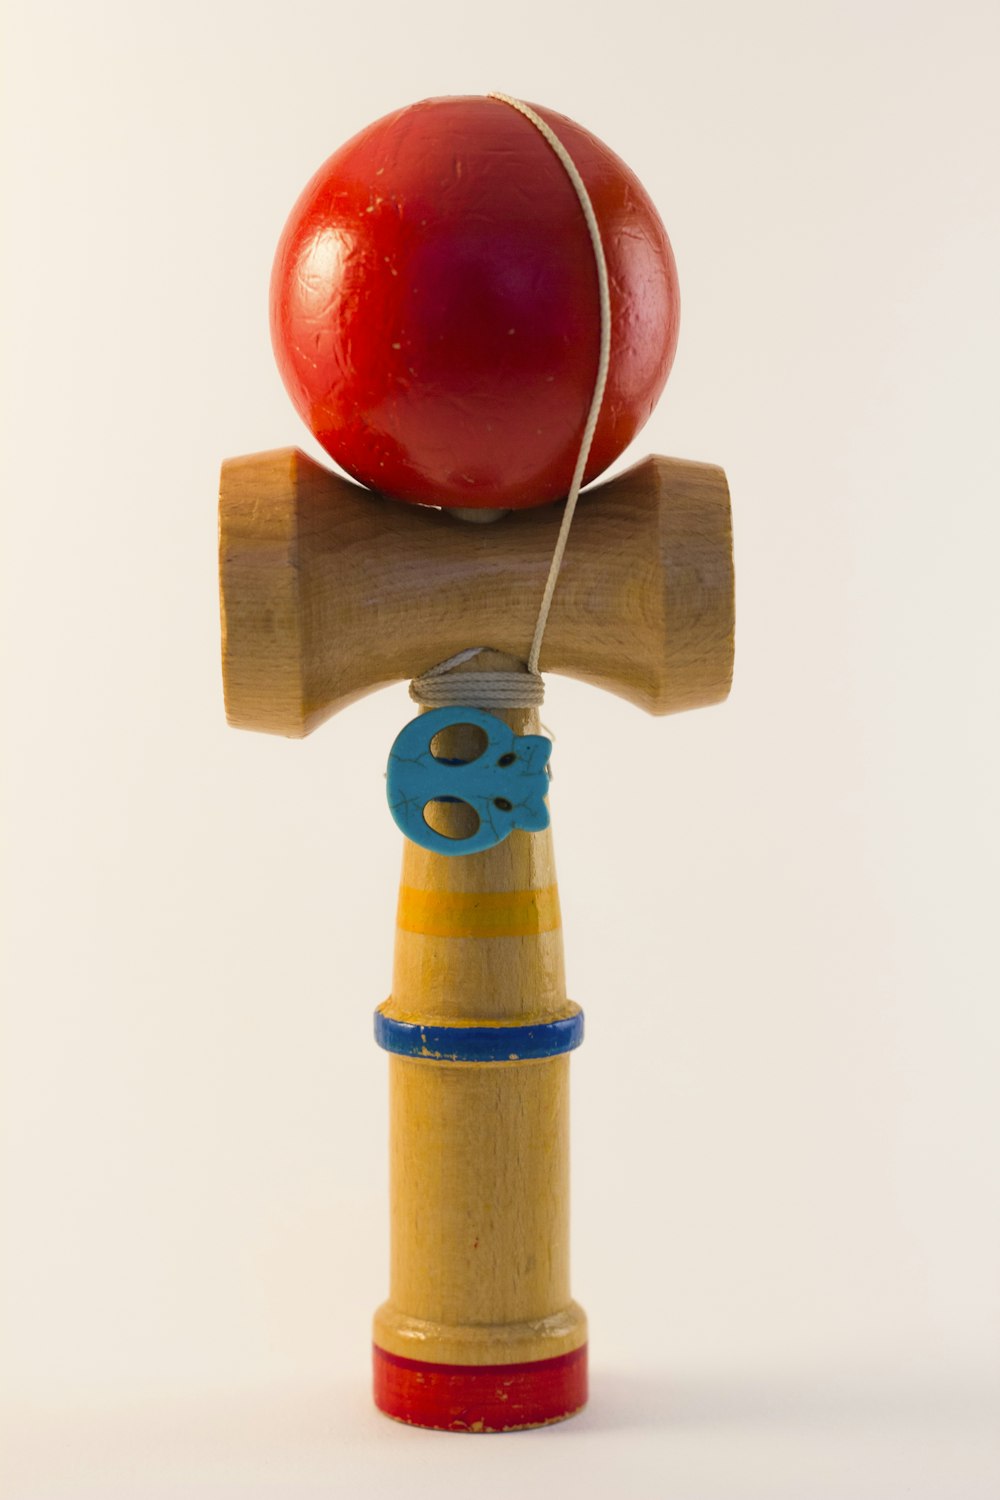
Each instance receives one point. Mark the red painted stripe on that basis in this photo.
(480, 1398)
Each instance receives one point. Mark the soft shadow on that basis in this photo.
(831, 1398)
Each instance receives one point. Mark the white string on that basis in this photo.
(436, 688)
(526, 689)
(603, 363)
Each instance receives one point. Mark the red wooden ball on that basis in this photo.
(434, 305)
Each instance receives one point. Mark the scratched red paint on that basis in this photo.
(480, 1398)
(434, 305)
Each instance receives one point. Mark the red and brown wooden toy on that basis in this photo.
(471, 333)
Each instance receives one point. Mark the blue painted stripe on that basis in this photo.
(478, 1044)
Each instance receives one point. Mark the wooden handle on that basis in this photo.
(480, 1150)
(329, 591)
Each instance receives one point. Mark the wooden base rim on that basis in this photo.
(480, 1398)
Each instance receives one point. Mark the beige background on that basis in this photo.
(780, 914)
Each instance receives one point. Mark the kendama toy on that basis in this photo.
(474, 307)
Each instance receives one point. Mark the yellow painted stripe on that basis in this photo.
(478, 913)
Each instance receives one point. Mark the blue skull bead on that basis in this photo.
(505, 784)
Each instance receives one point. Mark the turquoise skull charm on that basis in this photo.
(505, 785)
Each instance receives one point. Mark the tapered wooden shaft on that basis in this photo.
(480, 1151)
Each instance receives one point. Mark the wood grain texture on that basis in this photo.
(479, 1261)
(329, 591)
(479, 1153)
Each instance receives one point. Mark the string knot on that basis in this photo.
(442, 687)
